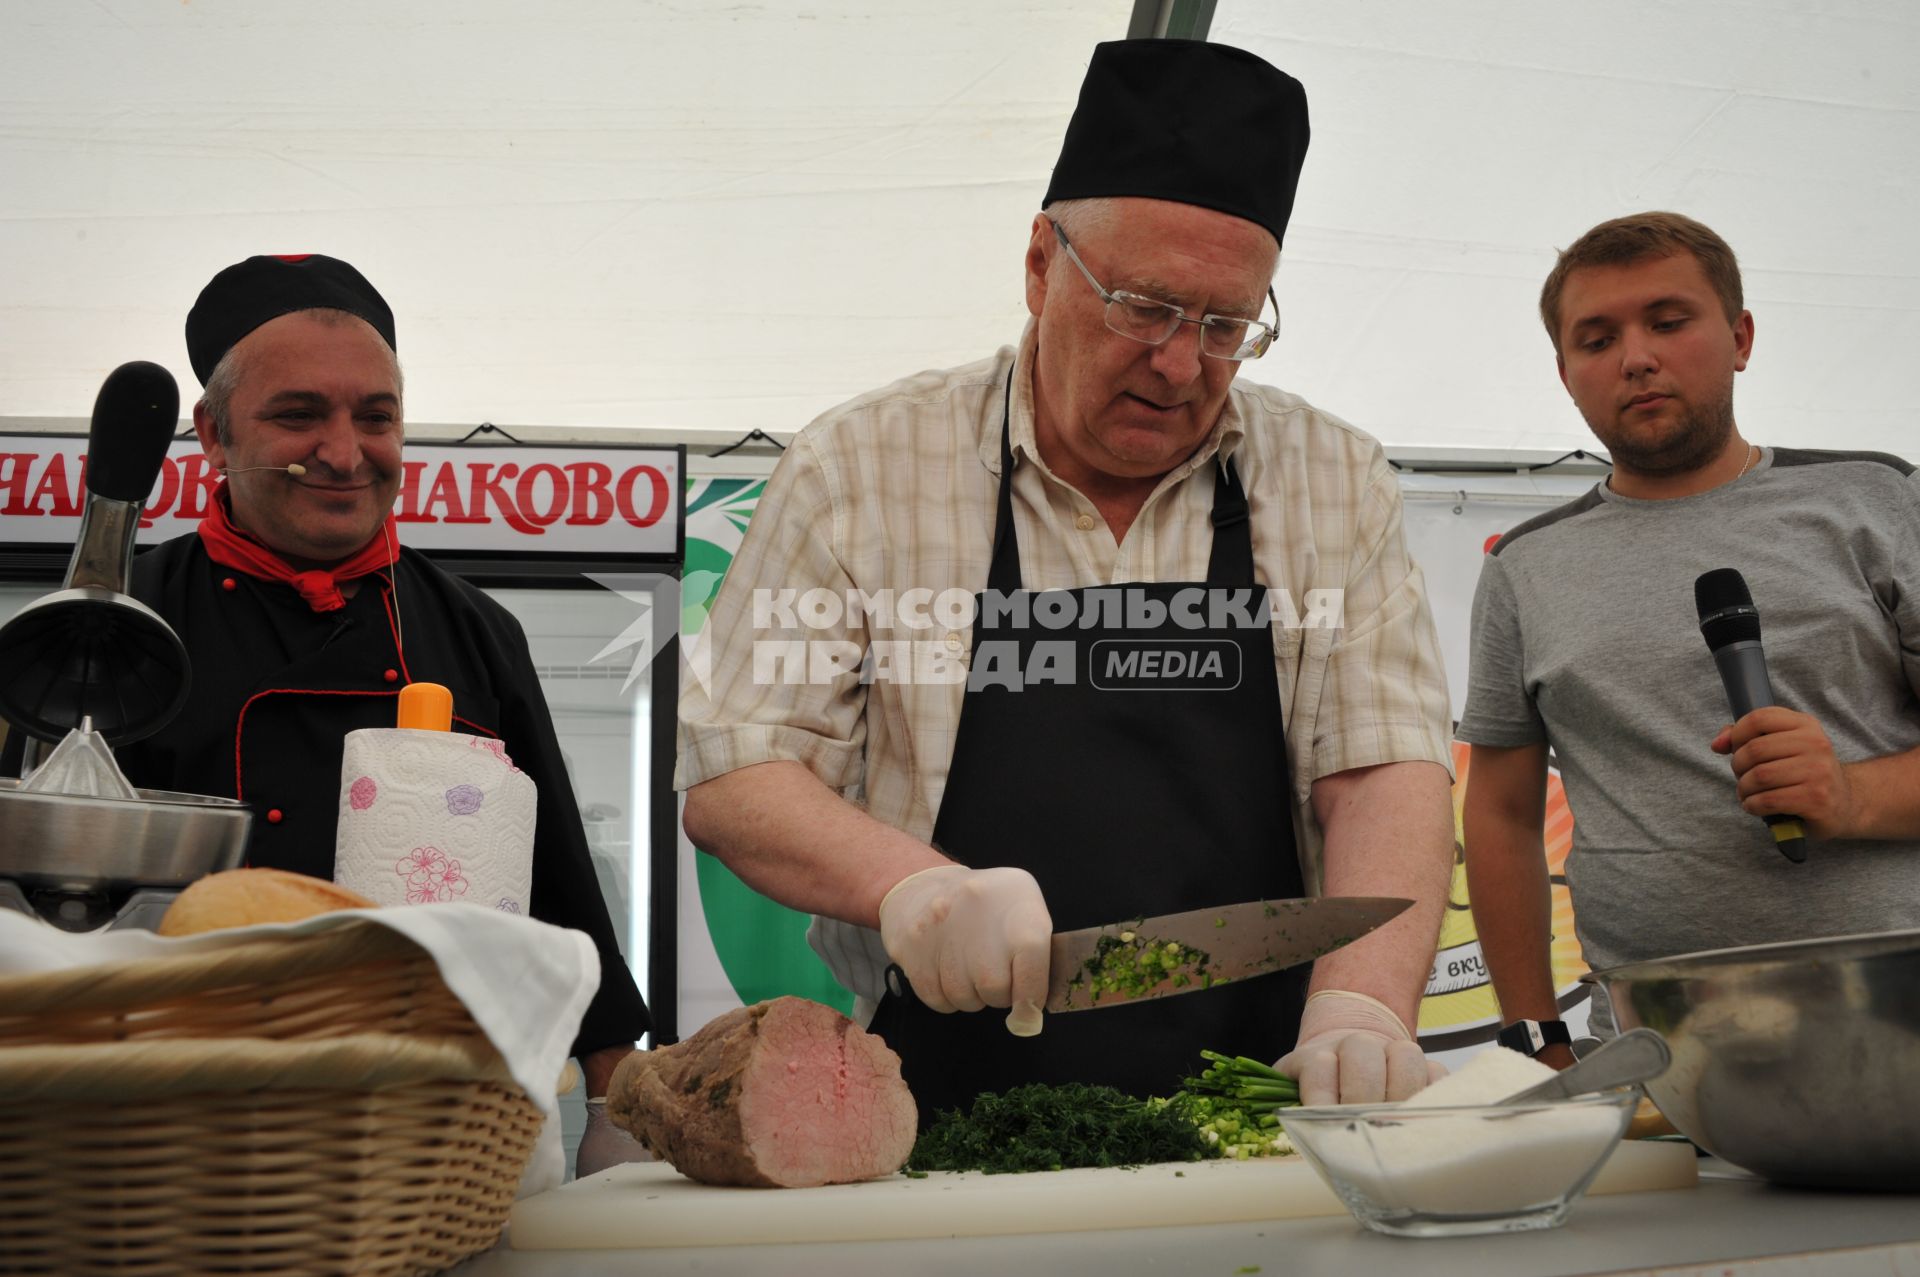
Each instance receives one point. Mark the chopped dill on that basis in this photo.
(1226, 1111)
(1038, 1127)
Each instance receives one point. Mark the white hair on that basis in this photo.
(1086, 217)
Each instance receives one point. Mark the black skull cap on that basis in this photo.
(1188, 121)
(248, 294)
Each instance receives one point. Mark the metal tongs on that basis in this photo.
(1633, 1057)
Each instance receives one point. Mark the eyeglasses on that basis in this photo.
(1150, 320)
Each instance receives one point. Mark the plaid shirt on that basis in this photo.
(896, 490)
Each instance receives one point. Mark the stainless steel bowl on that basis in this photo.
(75, 844)
(1797, 1061)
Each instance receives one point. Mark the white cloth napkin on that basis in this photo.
(432, 817)
(526, 983)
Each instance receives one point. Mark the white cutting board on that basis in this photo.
(647, 1204)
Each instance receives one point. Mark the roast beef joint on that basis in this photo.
(782, 1094)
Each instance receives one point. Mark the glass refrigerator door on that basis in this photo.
(13, 596)
(602, 711)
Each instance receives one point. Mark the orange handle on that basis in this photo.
(426, 707)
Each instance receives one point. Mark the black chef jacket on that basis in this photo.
(277, 687)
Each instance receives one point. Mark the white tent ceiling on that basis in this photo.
(708, 218)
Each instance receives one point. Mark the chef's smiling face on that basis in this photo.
(320, 389)
(1110, 408)
(1649, 355)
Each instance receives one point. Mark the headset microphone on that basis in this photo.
(295, 469)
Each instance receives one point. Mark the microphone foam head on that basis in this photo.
(1725, 607)
(296, 469)
(1718, 590)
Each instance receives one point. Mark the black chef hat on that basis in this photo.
(242, 297)
(1188, 121)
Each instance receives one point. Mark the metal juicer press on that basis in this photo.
(88, 668)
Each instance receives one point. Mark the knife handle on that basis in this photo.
(897, 983)
(1023, 1021)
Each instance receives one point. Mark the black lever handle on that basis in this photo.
(133, 424)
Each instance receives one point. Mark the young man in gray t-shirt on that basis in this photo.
(1586, 643)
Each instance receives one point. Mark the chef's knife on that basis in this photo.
(1125, 962)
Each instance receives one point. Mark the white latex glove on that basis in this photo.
(602, 1144)
(971, 938)
(1354, 1050)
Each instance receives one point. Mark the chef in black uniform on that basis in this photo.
(1064, 803)
(304, 615)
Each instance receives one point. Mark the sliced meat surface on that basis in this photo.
(782, 1094)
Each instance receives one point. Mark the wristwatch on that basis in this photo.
(1530, 1037)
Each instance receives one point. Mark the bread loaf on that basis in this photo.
(247, 897)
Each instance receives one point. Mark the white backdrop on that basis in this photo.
(710, 218)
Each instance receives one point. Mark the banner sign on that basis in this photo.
(545, 500)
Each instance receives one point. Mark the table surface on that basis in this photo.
(1731, 1216)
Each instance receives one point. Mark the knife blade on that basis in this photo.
(1122, 962)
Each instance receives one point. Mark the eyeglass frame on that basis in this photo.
(1124, 297)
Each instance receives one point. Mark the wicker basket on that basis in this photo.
(311, 1104)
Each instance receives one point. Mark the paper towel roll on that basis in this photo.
(434, 816)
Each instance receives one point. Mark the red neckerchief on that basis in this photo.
(229, 546)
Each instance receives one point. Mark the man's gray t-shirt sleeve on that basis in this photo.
(1905, 605)
(1499, 712)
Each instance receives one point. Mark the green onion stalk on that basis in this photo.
(1234, 1103)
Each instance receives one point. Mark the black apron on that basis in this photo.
(1126, 793)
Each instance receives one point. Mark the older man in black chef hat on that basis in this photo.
(305, 615)
(884, 765)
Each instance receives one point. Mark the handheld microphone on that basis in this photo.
(1731, 625)
(295, 469)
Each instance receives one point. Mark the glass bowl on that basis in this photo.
(1446, 1172)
